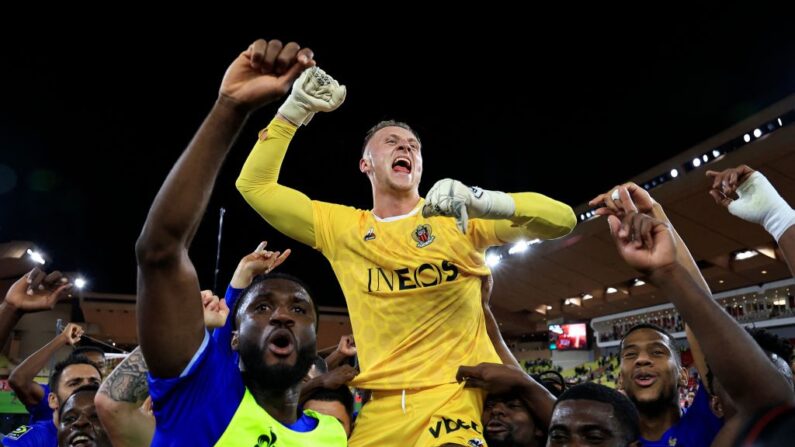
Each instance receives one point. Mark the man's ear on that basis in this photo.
(52, 401)
(365, 164)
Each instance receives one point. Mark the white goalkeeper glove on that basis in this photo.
(313, 91)
(452, 198)
(759, 202)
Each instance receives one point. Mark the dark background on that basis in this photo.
(566, 103)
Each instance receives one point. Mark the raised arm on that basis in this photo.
(170, 318)
(536, 217)
(525, 215)
(346, 348)
(35, 292)
(119, 402)
(647, 244)
(502, 379)
(609, 204)
(286, 209)
(748, 195)
(258, 262)
(493, 329)
(21, 379)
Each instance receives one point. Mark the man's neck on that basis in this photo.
(387, 205)
(654, 424)
(282, 405)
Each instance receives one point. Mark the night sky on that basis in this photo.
(93, 115)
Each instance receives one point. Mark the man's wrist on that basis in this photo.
(241, 281)
(11, 308)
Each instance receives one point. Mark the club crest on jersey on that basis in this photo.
(475, 443)
(370, 234)
(422, 235)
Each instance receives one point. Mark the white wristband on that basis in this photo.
(759, 202)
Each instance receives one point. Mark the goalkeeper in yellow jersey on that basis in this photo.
(410, 268)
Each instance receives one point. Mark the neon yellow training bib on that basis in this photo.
(252, 426)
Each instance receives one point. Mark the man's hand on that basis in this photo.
(72, 334)
(726, 182)
(347, 346)
(645, 243)
(38, 291)
(749, 195)
(345, 350)
(452, 198)
(314, 91)
(258, 262)
(215, 310)
(609, 202)
(338, 377)
(492, 377)
(264, 73)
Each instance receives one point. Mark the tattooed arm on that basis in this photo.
(120, 400)
(123, 402)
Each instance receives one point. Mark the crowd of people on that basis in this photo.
(744, 309)
(431, 367)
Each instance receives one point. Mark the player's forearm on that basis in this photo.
(536, 217)
(126, 428)
(335, 359)
(722, 338)
(127, 382)
(787, 245)
(493, 329)
(21, 378)
(265, 160)
(170, 319)
(224, 333)
(9, 317)
(169, 227)
(538, 399)
(683, 255)
(119, 403)
(309, 387)
(28, 369)
(686, 259)
(286, 209)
